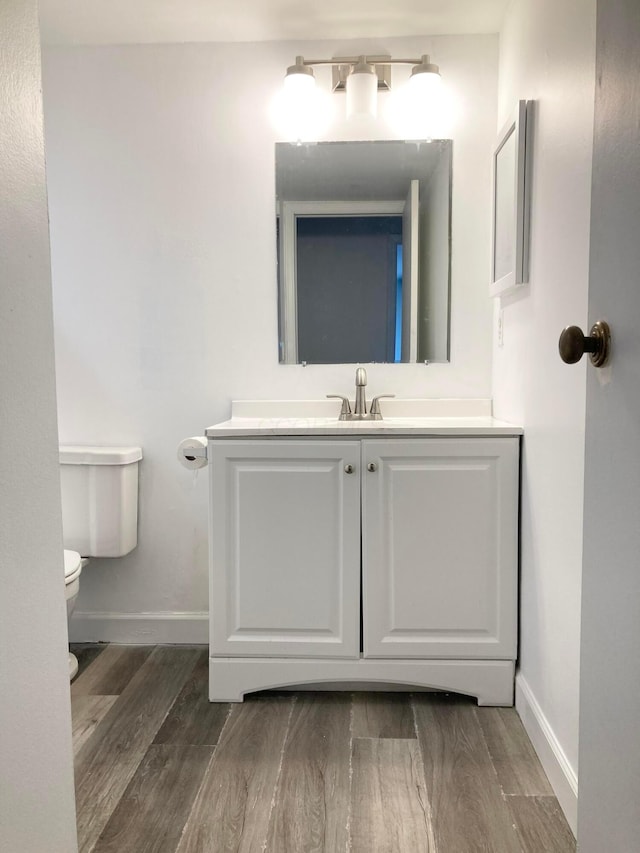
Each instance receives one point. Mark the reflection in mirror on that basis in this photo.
(364, 251)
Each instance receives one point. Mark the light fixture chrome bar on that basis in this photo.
(371, 60)
(343, 65)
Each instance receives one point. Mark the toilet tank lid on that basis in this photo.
(80, 454)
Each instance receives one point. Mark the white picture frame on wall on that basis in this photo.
(511, 202)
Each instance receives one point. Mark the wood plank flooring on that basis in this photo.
(311, 805)
(159, 769)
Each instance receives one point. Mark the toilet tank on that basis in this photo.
(99, 488)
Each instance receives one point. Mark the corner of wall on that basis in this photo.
(561, 775)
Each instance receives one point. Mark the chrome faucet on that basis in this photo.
(360, 408)
(359, 412)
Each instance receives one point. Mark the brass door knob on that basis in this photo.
(573, 344)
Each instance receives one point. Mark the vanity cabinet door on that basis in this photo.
(440, 521)
(285, 548)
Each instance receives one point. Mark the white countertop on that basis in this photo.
(400, 417)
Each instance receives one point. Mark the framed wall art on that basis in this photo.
(510, 210)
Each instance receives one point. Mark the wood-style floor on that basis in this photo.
(159, 768)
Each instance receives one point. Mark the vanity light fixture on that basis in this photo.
(425, 76)
(362, 90)
(299, 77)
(361, 77)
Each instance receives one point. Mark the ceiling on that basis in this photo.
(151, 21)
(355, 171)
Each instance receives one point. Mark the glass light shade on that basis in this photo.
(299, 111)
(424, 86)
(417, 110)
(362, 92)
(299, 85)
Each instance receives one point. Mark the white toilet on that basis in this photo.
(72, 569)
(99, 487)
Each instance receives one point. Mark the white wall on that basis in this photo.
(36, 780)
(161, 185)
(547, 53)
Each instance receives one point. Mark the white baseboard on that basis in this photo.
(140, 628)
(555, 763)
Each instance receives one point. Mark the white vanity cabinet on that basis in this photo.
(364, 559)
(439, 548)
(285, 548)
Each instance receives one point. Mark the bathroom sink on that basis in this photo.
(255, 418)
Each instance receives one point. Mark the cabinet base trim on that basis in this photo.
(491, 682)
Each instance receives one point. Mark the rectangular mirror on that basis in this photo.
(364, 251)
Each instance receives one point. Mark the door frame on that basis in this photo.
(289, 212)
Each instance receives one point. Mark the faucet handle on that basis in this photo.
(374, 411)
(345, 411)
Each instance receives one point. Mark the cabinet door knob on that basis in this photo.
(372, 467)
(573, 344)
(349, 469)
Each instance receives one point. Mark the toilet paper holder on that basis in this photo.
(192, 453)
(195, 453)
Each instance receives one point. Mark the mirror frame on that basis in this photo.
(287, 212)
(288, 291)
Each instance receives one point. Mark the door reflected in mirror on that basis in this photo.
(364, 251)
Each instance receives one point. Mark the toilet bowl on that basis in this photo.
(99, 489)
(72, 570)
